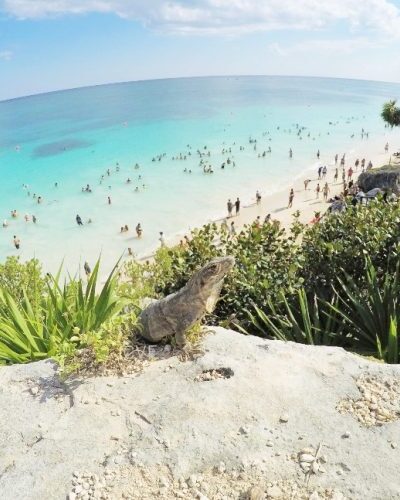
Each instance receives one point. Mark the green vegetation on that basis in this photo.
(391, 113)
(300, 285)
(334, 283)
(56, 317)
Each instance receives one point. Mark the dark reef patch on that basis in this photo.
(59, 147)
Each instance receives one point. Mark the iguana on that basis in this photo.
(176, 313)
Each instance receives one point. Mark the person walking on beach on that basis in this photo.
(237, 206)
(258, 197)
(161, 239)
(230, 208)
(349, 173)
(233, 229)
(335, 178)
(336, 158)
(291, 196)
(319, 172)
(290, 153)
(224, 226)
(87, 269)
(325, 191)
(306, 183)
(139, 230)
(386, 147)
(317, 190)
(324, 172)
(79, 220)
(16, 242)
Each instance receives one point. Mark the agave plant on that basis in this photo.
(304, 320)
(372, 313)
(28, 334)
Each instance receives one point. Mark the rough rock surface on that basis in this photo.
(387, 177)
(266, 420)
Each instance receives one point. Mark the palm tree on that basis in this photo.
(391, 113)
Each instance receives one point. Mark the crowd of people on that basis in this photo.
(207, 164)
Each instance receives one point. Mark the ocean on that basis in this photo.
(53, 145)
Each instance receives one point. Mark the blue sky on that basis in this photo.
(56, 44)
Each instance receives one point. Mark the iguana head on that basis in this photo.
(208, 281)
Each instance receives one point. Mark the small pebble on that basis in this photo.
(284, 418)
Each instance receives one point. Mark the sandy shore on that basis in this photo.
(304, 201)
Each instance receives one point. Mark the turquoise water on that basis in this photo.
(73, 137)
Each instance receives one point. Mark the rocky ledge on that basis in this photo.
(250, 418)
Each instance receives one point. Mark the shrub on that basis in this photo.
(338, 246)
(17, 277)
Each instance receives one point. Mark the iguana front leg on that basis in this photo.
(180, 338)
(182, 327)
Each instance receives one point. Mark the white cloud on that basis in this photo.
(225, 16)
(5, 55)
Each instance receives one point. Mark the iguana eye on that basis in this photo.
(214, 268)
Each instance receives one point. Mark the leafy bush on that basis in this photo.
(17, 277)
(338, 246)
(266, 264)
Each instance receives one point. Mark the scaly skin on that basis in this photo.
(176, 313)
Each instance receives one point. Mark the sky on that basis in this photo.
(48, 45)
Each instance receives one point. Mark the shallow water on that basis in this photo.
(73, 137)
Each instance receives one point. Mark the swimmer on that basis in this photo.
(87, 269)
(16, 242)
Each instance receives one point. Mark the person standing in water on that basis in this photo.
(139, 230)
(317, 190)
(87, 269)
(79, 220)
(161, 239)
(16, 242)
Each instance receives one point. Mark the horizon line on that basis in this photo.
(125, 82)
